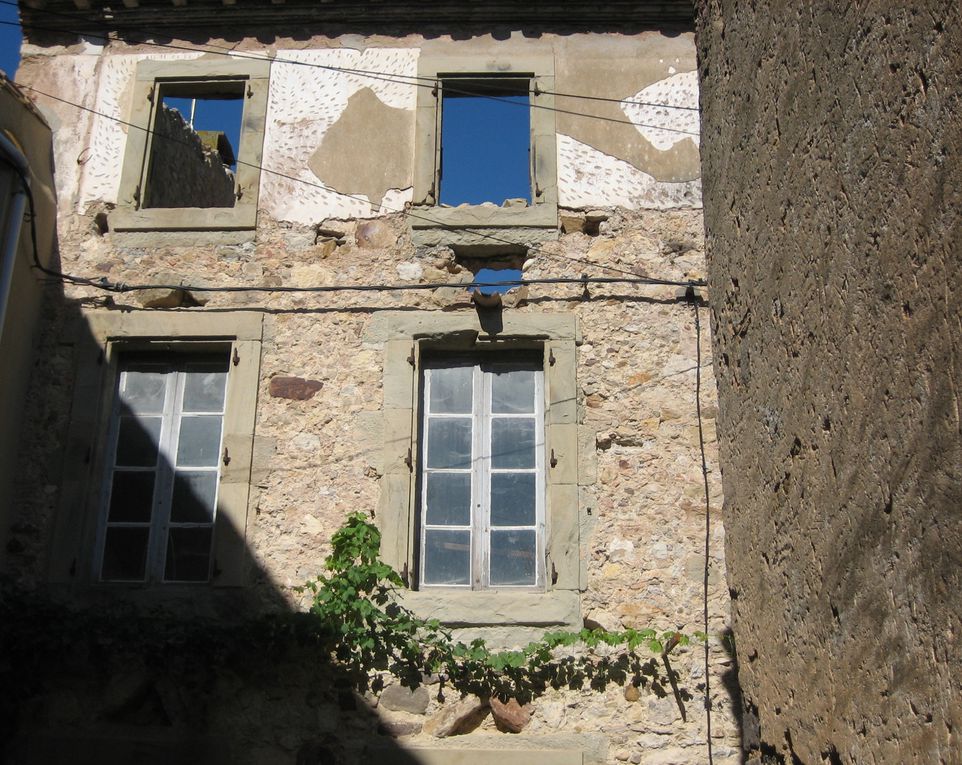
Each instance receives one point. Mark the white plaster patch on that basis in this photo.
(305, 100)
(621, 549)
(650, 109)
(410, 271)
(590, 178)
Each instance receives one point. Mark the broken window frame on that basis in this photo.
(150, 78)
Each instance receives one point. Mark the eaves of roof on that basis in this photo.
(330, 17)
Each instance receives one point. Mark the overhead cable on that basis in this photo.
(378, 206)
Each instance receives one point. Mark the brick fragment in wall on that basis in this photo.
(296, 388)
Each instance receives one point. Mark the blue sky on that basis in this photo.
(9, 40)
(484, 149)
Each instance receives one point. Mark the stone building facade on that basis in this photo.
(329, 395)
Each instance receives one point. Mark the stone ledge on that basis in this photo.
(557, 608)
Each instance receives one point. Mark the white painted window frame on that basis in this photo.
(175, 367)
(481, 470)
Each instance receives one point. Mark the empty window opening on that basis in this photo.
(482, 475)
(163, 468)
(193, 150)
(485, 140)
(495, 275)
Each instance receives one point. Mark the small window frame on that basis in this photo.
(104, 338)
(206, 73)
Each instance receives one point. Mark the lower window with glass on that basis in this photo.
(164, 448)
(482, 472)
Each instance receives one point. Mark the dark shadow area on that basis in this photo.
(152, 672)
(301, 20)
(729, 681)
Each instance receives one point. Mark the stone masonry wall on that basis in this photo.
(318, 449)
(183, 173)
(831, 141)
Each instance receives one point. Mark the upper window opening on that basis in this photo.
(485, 140)
(163, 468)
(196, 139)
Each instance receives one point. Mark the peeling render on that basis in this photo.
(305, 103)
(588, 177)
(337, 164)
(317, 116)
(652, 121)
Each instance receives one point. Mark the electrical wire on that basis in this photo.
(378, 206)
(704, 474)
(108, 286)
(431, 83)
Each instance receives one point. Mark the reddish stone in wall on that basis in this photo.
(296, 388)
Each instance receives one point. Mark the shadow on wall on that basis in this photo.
(183, 672)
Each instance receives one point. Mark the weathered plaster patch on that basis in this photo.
(590, 178)
(100, 179)
(305, 102)
(664, 126)
(384, 163)
(585, 65)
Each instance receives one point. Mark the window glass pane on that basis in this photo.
(137, 441)
(449, 442)
(204, 391)
(448, 499)
(512, 391)
(512, 442)
(194, 495)
(188, 555)
(131, 496)
(199, 443)
(485, 141)
(513, 556)
(143, 392)
(447, 557)
(512, 499)
(125, 554)
(451, 390)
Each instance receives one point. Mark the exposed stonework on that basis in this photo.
(336, 371)
(183, 172)
(832, 137)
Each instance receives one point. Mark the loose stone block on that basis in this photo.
(400, 699)
(510, 715)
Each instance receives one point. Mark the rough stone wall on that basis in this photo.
(831, 139)
(317, 454)
(182, 171)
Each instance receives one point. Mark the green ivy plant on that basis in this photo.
(373, 635)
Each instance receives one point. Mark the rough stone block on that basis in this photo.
(400, 699)
(295, 388)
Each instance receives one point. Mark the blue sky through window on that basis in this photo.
(10, 38)
(223, 114)
(493, 275)
(485, 142)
